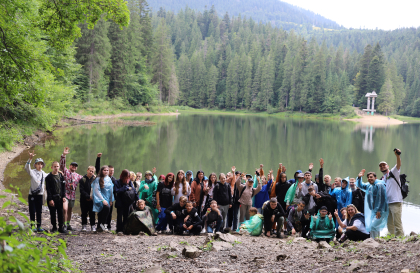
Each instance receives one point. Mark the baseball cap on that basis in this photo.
(75, 164)
(382, 162)
(39, 160)
(248, 175)
(301, 175)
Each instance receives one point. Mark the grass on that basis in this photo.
(406, 118)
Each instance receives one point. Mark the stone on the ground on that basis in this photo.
(155, 269)
(413, 233)
(369, 243)
(191, 252)
(355, 265)
(323, 244)
(282, 257)
(210, 237)
(220, 246)
(405, 270)
(175, 247)
(227, 237)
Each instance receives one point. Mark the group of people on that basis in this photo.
(346, 208)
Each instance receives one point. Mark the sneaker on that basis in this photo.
(203, 231)
(100, 228)
(343, 238)
(40, 229)
(53, 230)
(108, 228)
(83, 228)
(69, 228)
(63, 230)
(34, 229)
(169, 232)
(186, 232)
(93, 228)
(280, 235)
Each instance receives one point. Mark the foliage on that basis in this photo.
(21, 251)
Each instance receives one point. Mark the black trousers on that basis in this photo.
(87, 209)
(103, 215)
(122, 216)
(195, 230)
(35, 208)
(56, 211)
(108, 220)
(174, 224)
(356, 235)
(233, 216)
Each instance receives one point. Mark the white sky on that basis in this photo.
(370, 14)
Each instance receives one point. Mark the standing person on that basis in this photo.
(272, 191)
(292, 195)
(222, 195)
(72, 180)
(56, 196)
(86, 200)
(282, 186)
(36, 190)
(234, 209)
(327, 183)
(393, 192)
(113, 179)
(103, 197)
(263, 196)
(147, 190)
(197, 187)
(137, 181)
(189, 177)
(164, 200)
(273, 213)
(358, 196)
(246, 192)
(354, 226)
(342, 194)
(181, 187)
(125, 195)
(376, 212)
(310, 205)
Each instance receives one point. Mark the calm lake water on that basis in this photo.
(214, 143)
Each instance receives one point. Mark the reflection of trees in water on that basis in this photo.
(368, 144)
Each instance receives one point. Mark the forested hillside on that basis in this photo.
(278, 13)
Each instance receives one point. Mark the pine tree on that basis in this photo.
(211, 86)
(386, 98)
(93, 53)
(362, 83)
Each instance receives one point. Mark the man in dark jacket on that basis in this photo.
(86, 202)
(358, 196)
(297, 219)
(175, 217)
(281, 190)
(56, 192)
(223, 196)
(192, 223)
(273, 213)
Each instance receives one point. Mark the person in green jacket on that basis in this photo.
(322, 226)
(147, 191)
(254, 225)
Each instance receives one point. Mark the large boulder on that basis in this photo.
(191, 252)
(323, 244)
(221, 246)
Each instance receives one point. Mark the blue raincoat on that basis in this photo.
(259, 199)
(99, 195)
(375, 200)
(343, 197)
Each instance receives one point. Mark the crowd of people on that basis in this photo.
(252, 204)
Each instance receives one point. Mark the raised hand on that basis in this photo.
(154, 170)
(311, 166)
(31, 155)
(336, 213)
(261, 166)
(271, 171)
(321, 162)
(378, 215)
(283, 169)
(99, 155)
(362, 173)
(299, 185)
(66, 151)
(397, 150)
(330, 216)
(307, 215)
(233, 169)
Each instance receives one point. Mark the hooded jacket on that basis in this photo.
(222, 194)
(375, 201)
(343, 196)
(85, 186)
(294, 179)
(263, 195)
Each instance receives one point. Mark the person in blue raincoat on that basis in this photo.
(376, 205)
(103, 197)
(343, 195)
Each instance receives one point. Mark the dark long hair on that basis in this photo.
(102, 176)
(211, 183)
(124, 175)
(172, 182)
(196, 179)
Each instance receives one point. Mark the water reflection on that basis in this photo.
(368, 144)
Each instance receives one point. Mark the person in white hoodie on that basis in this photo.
(36, 191)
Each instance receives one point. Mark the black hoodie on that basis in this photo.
(222, 194)
(193, 219)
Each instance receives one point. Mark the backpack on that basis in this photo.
(403, 184)
(128, 197)
(153, 203)
(242, 191)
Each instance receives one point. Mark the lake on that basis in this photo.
(215, 142)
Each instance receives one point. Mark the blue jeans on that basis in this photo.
(218, 225)
(161, 225)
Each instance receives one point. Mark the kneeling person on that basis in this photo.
(254, 225)
(297, 219)
(322, 226)
(192, 223)
(273, 213)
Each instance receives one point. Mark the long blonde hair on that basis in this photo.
(348, 218)
(184, 183)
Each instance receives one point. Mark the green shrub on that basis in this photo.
(21, 251)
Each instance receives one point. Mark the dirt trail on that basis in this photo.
(376, 120)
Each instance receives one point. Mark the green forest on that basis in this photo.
(59, 60)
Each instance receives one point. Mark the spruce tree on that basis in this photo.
(386, 98)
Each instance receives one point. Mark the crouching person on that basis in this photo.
(192, 223)
(297, 219)
(273, 213)
(254, 225)
(56, 190)
(322, 226)
(174, 215)
(213, 218)
(354, 227)
(140, 219)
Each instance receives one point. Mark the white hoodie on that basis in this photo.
(35, 178)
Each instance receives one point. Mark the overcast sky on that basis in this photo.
(369, 14)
